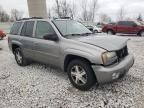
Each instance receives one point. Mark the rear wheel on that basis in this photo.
(81, 75)
(142, 33)
(110, 32)
(19, 57)
(1, 38)
(96, 31)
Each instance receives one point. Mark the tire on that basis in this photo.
(19, 57)
(85, 73)
(110, 32)
(1, 38)
(141, 33)
(95, 31)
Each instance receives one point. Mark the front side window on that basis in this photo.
(121, 23)
(130, 23)
(27, 29)
(43, 28)
(70, 27)
(15, 28)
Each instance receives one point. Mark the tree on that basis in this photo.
(57, 8)
(4, 17)
(140, 18)
(105, 18)
(73, 10)
(16, 14)
(94, 8)
(49, 13)
(121, 13)
(64, 9)
(89, 11)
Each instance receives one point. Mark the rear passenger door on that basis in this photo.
(27, 39)
(122, 27)
(46, 51)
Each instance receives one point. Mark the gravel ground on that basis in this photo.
(40, 86)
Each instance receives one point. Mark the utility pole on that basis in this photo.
(37, 8)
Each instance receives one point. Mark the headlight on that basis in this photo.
(109, 58)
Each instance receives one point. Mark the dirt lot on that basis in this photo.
(40, 86)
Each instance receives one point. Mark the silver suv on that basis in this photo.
(69, 45)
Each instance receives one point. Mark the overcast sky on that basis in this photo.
(110, 7)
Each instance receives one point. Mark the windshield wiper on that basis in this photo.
(72, 34)
(78, 34)
(87, 34)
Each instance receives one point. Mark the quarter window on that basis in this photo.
(15, 28)
(27, 29)
(43, 28)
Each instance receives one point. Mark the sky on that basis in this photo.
(110, 7)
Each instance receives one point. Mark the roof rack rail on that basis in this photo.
(30, 18)
(55, 18)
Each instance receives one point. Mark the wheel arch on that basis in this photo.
(71, 57)
(109, 29)
(140, 31)
(14, 46)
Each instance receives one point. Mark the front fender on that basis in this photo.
(94, 59)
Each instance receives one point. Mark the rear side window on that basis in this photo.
(27, 29)
(126, 23)
(15, 28)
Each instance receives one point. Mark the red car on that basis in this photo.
(2, 34)
(125, 27)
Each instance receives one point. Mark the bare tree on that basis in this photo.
(94, 9)
(16, 14)
(84, 10)
(121, 13)
(49, 13)
(4, 17)
(64, 9)
(57, 8)
(139, 17)
(105, 18)
(72, 10)
(89, 11)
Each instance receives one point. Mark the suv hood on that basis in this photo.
(109, 43)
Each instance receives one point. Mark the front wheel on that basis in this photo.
(81, 75)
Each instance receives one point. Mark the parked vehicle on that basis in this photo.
(2, 34)
(69, 45)
(125, 27)
(92, 27)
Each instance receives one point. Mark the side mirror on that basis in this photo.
(52, 37)
(134, 25)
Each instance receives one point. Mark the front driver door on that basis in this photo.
(46, 51)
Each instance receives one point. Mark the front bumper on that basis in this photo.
(111, 73)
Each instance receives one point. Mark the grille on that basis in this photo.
(122, 53)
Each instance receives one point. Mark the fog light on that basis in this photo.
(115, 75)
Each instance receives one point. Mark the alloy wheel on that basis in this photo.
(78, 75)
(18, 57)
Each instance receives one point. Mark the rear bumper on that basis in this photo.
(112, 73)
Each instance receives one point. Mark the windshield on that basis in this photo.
(138, 23)
(70, 27)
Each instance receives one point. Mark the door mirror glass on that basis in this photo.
(52, 37)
